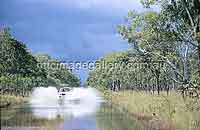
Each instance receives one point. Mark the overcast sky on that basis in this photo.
(70, 29)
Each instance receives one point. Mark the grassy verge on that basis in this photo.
(160, 112)
(8, 100)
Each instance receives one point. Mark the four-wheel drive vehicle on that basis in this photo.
(64, 92)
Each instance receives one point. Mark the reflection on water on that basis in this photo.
(24, 118)
(111, 118)
(87, 113)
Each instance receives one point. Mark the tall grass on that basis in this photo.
(10, 100)
(183, 113)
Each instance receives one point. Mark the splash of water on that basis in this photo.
(78, 102)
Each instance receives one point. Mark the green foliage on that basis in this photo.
(183, 19)
(57, 73)
(166, 41)
(20, 71)
(14, 57)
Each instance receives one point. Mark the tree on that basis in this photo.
(18, 68)
(164, 47)
(188, 12)
(56, 73)
(20, 71)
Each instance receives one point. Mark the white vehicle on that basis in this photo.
(63, 92)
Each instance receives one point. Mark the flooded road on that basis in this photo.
(85, 110)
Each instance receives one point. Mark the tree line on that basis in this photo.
(165, 46)
(19, 70)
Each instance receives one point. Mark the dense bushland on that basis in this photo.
(165, 53)
(20, 71)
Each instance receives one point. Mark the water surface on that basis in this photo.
(84, 109)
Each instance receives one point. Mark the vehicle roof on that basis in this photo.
(65, 88)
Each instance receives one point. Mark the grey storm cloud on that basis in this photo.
(71, 29)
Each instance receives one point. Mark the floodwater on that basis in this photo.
(82, 109)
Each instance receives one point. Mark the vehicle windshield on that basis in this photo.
(64, 89)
